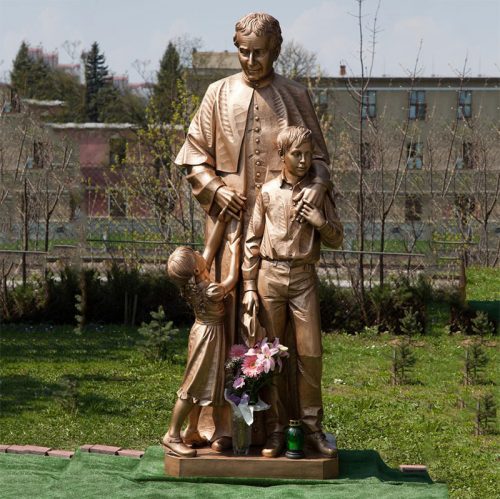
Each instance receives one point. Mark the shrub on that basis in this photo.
(409, 324)
(486, 414)
(403, 360)
(476, 360)
(157, 336)
(338, 309)
(481, 325)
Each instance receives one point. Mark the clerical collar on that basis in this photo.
(261, 83)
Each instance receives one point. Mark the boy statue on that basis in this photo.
(281, 249)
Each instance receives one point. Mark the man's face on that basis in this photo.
(298, 160)
(256, 55)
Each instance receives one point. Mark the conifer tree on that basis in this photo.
(96, 79)
(165, 90)
(31, 78)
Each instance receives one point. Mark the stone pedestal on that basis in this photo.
(215, 464)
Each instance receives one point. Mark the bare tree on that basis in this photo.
(296, 62)
(186, 45)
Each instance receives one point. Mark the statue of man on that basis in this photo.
(230, 151)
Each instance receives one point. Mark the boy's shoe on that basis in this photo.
(320, 443)
(275, 445)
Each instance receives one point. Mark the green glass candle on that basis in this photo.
(295, 440)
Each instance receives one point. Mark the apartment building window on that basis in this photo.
(466, 158)
(413, 208)
(414, 155)
(321, 101)
(366, 155)
(117, 205)
(117, 150)
(369, 104)
(417, 105)
(464, 108)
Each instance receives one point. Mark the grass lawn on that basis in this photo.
(121, 399)
(483, 283)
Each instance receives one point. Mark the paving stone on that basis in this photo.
(412, 468)
(86, 447)
(3, 448)
(68, 454)
(104, 449)
(16, 449)
(36, 449)
(131, 453)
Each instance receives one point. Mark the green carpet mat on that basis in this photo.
(363, 474)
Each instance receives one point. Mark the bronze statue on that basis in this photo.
(230, 152)
(280, 278)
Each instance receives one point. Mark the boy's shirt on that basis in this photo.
(274, 234)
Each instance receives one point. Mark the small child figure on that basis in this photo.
(203, 382)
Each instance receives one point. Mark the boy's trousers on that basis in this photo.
(289, 293)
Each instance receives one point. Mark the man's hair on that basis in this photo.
(292, 135)
(260, 24)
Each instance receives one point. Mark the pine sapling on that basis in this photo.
(403, 360)
(157, 336)
(409, 323)
(476, 360)
(486, 414)
(481, 325)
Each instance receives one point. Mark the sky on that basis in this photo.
(452, 34)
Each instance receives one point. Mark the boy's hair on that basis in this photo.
(260, 24)
(181, 264)
(292, 135)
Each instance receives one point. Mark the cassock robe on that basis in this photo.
(233, 138)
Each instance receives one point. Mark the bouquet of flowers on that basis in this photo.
(248, 370)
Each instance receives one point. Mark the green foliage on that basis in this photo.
(483, 283)
(25, 301)
(157, 336)
(403, 360)
(165, 89)
(83, 297)
(476, 361)
(96, 81)
(409, 324)
(481, 325)
(29, 77)
(387, 306)
(486, 414)
(337, 308)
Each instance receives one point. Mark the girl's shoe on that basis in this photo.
(176, 446)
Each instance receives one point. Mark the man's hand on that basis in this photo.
(250, 300)
(312, 214)
(315, 194)
(227, 198)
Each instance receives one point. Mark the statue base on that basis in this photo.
(209, 463)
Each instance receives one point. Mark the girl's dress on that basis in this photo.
(203, 381)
